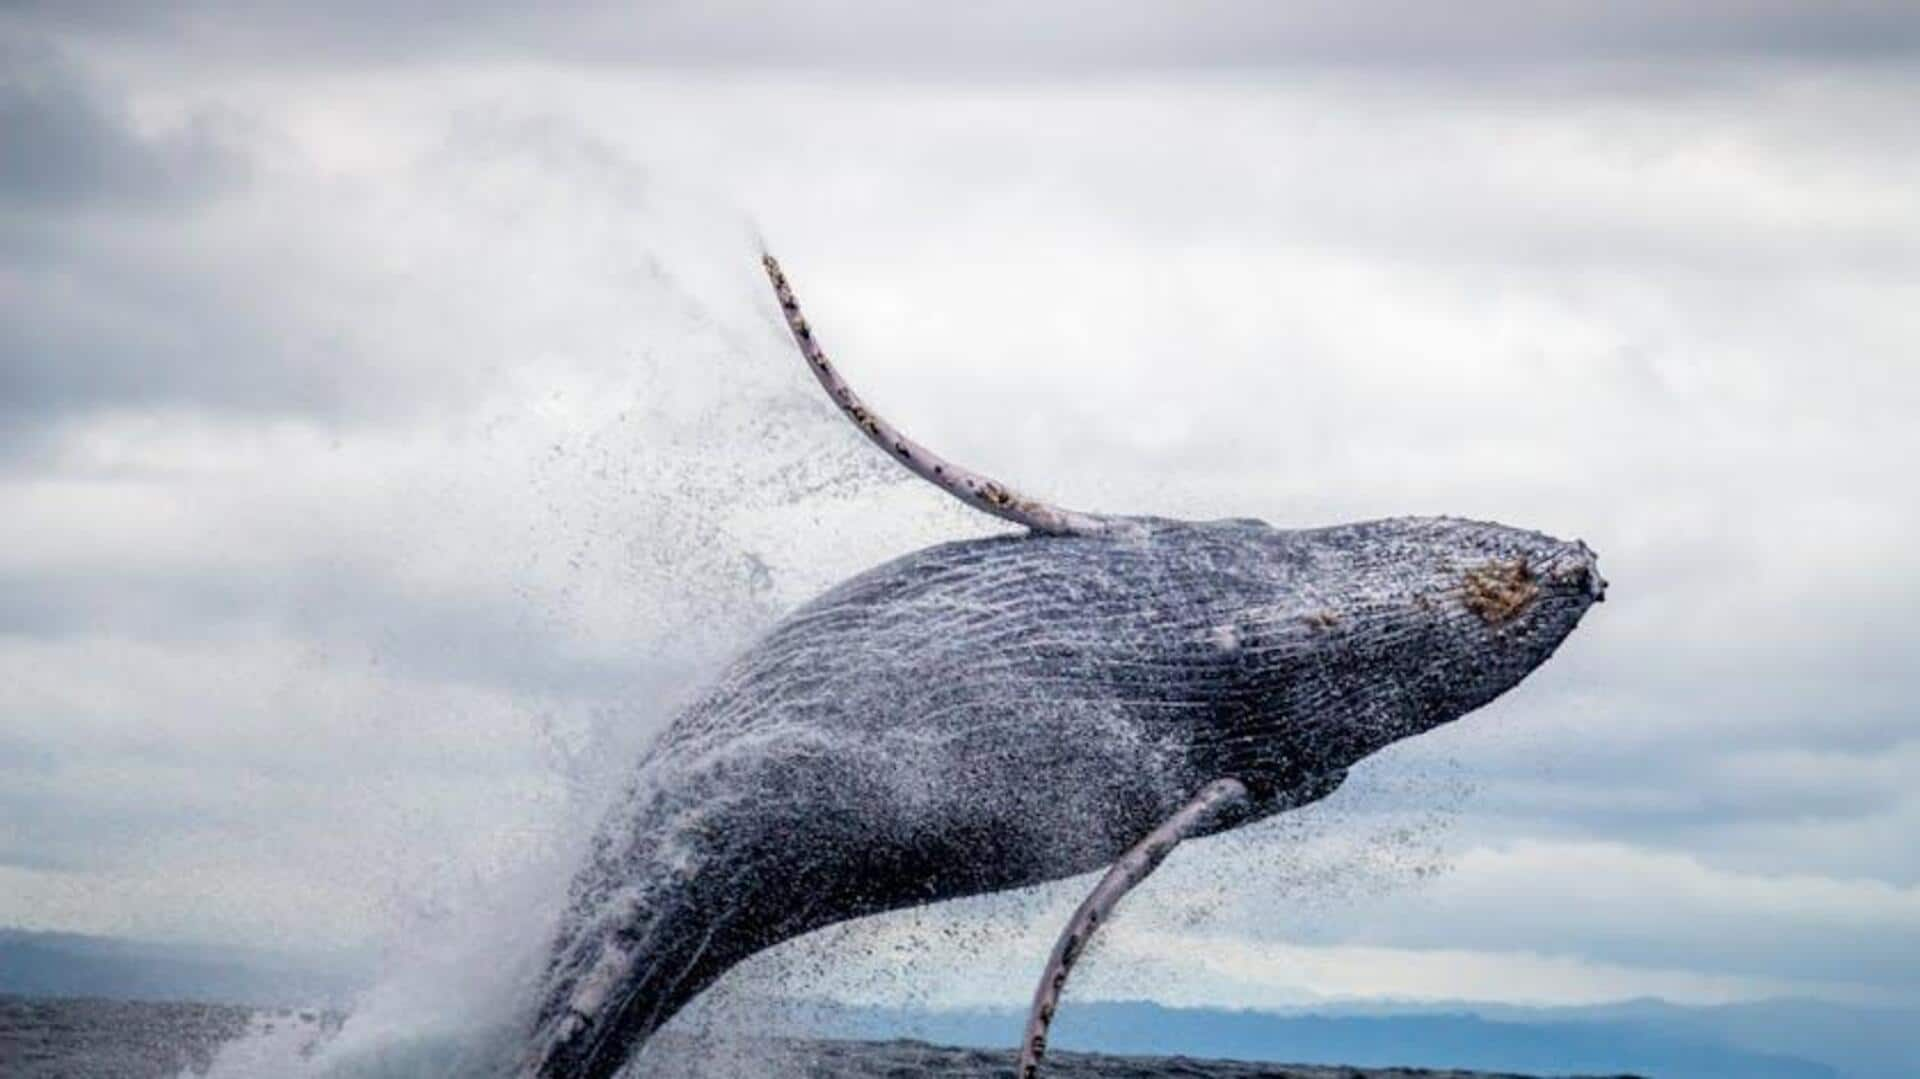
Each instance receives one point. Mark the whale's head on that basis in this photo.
(1343, 640)
(1279, 656)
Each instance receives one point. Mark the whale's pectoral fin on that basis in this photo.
(968, 486)
(1215, 800)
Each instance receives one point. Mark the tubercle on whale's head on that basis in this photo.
(1353, 637)
(1520, 602)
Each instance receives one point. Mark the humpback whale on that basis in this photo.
(995, 713)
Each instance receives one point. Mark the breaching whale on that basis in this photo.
(995, 713)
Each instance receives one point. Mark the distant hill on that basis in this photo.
(36, 964)
(1778, 1039)
(95, 1039)
(1862, 1043)
(1430, 1040)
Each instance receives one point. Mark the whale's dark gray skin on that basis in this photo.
(995, 713)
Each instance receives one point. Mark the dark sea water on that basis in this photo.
(100, 1039)
(110, 1039)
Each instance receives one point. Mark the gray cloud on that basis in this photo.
(144, 276)
(1004, 37)
(91, 315)
(72, 144)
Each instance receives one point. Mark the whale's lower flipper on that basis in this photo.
(1216, 799)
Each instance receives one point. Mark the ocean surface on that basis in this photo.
(44, 1038)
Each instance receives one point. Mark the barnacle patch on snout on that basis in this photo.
(1500, 592)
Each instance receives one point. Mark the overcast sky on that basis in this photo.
(393, 425)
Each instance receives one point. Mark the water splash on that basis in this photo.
(636, 482)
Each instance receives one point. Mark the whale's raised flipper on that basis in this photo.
(964, 484)
(1216, 799)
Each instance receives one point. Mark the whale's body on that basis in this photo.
(995, 713)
